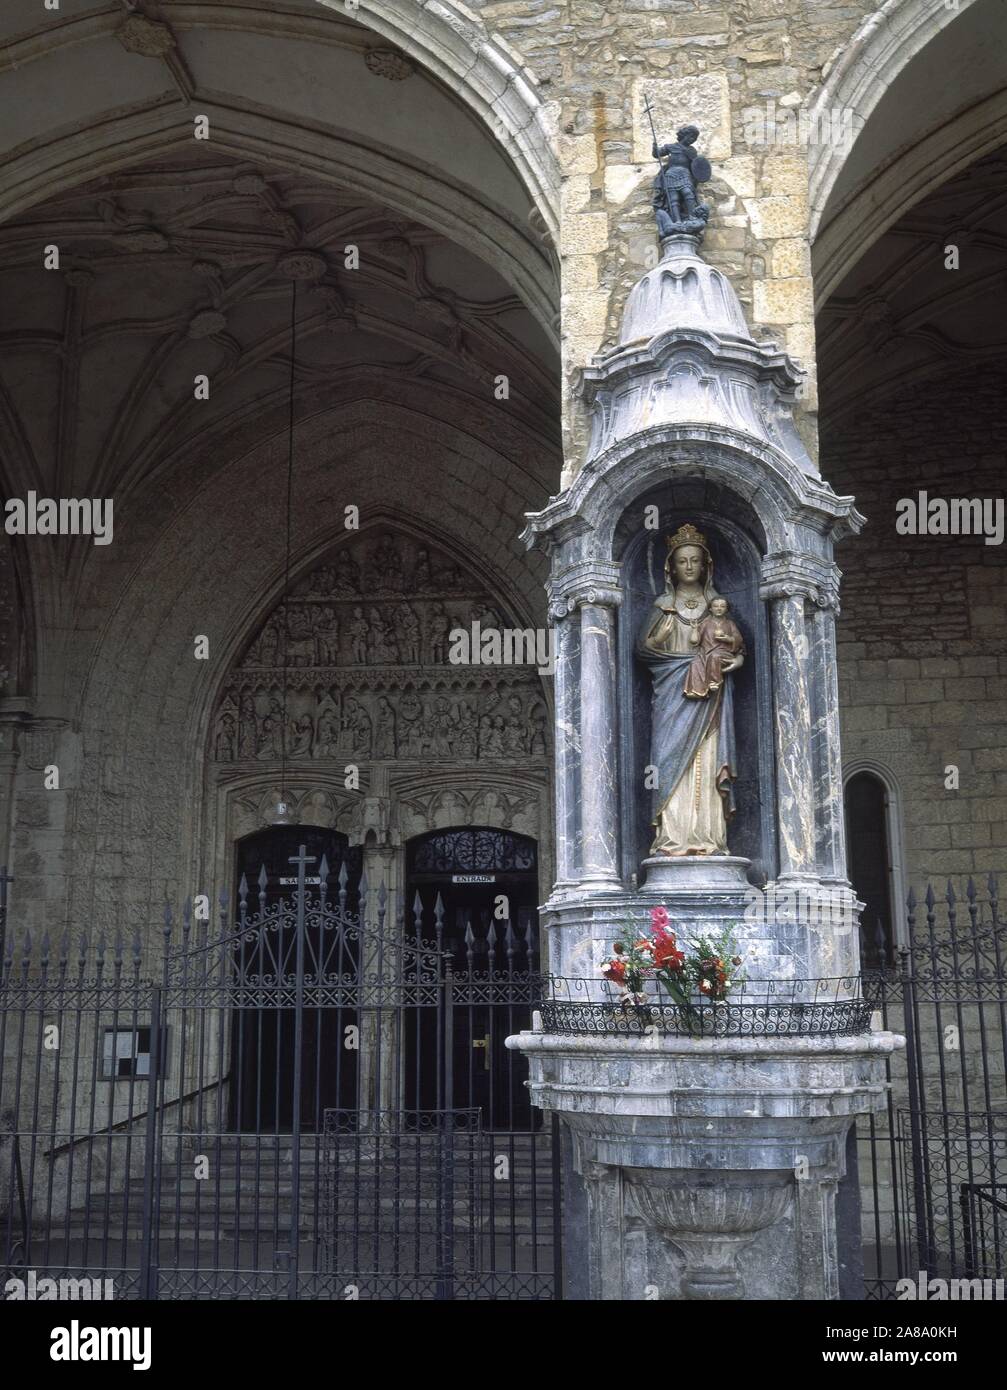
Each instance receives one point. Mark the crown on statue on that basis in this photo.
(686, 535)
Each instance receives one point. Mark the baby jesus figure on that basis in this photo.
(720, 641)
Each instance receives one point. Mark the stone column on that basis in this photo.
(795, 786)
(825, 729)
(599, 782)
(583, 598)
(383, 864)
(565, 741)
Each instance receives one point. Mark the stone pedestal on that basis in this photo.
(695, 873)
(710, 1164)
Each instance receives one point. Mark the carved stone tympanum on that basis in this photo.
(361, 647)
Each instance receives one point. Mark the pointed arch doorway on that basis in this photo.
(473, 891)
(263, 1038)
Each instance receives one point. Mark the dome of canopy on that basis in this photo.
(682, 291)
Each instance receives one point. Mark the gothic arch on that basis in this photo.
(450, 41)
(902, 184)
(844, 222)
(862, 72)
(268, 137)
(351, 669)
(476, 163)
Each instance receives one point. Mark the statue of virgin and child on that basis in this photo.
(691, 647)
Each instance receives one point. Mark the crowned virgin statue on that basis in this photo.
(690, 647)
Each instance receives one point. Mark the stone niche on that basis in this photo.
(693, 420)
(737, 544)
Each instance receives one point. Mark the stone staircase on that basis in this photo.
(374, 1186)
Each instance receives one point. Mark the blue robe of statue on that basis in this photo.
(679, 726)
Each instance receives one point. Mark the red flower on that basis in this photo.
(667, 956)
(615, 970)
(659, 918)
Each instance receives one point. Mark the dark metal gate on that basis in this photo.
(933, 1170)
(279, 1116)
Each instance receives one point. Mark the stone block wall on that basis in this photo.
(922, 634)
(704, 61)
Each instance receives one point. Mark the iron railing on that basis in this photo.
(806, 1008)
(212, 1115)
(929, 1163)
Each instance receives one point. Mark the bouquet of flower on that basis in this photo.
(627, 969)
(706, 967)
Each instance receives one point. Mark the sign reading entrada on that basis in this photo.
(59, 516)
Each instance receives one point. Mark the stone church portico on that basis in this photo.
(384, 320)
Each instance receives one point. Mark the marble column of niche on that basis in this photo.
(566, 740)
(795, 787)
(825, 716)
(599, 794)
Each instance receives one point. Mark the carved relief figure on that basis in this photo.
(225, 743)
(514, 735)
(327, 745)
(384, 647)
(302, 734)
(467, 740)
(248, 732)
(386, 567)
(692, 739)
(300, 638)
(421, 572)
(359, 634)
(345, 573)
(409, 636)
(327, 637)
(488, 618)
(437, 628)
(537, 742)
(270, 741)
(443, 725)
(355, 735)
(410, 706)
(384, 729)
(264, 651)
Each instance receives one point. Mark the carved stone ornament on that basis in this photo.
(790, 576)
(38, 746)
(249, 185)
(302, 265)
(388, 63)
(147, 37)
(206, 323)
(710, 1222)
(361, 646)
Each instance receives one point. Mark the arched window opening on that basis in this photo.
(869, 842)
